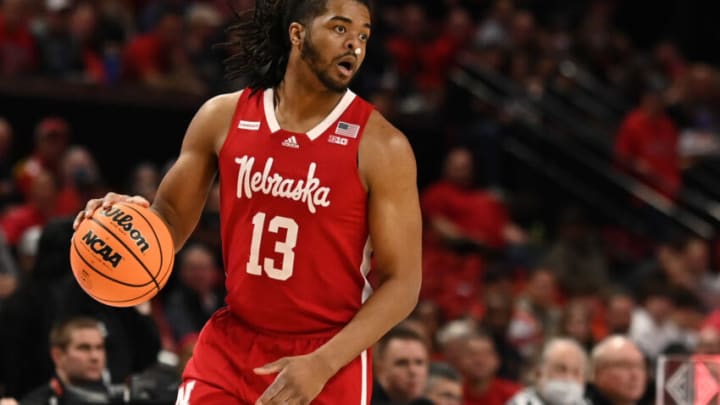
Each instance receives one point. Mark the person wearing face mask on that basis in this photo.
(559, 378)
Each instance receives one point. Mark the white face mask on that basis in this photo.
(562, 392)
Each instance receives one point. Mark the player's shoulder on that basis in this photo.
(381, 136)
(222, 102)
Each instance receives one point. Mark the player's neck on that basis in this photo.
(299, 106)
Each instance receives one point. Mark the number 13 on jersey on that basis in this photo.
(283, 247)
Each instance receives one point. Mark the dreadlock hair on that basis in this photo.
(259, 40)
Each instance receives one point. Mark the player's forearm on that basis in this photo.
(391, 303)
(180, 226)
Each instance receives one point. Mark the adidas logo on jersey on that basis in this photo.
(291, 143)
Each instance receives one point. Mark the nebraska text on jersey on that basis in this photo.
(308, 191)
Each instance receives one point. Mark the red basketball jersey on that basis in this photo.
(294, 218)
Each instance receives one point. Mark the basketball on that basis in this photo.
(122, 256)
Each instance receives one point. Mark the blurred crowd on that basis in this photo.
(574, 311)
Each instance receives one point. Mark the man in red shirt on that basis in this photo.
(478, 364)
(461, 219)
(158, 59)
(647, 144)
(51, 140)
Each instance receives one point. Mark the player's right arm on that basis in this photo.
(184, 189)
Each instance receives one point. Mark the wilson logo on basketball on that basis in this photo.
(99, 246)
(125, 222)
(308, 190)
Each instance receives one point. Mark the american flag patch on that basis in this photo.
(349, 130)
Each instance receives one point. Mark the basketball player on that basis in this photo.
(313, 182)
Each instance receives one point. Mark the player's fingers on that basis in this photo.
(90, 208)
(112, 198)
(139, 200)
(271, 368)
(284, 397)
(268, 397)
(78, 218)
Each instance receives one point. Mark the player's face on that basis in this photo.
(84, 357)
(331, 44)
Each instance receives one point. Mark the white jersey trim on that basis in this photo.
(364, 378)
(319, 129)
(365, 269)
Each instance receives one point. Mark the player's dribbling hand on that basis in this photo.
(105, 203)
(300, 379)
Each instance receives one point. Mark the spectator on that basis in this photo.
(203, 21)
(30, 312)
(575, 323)
(652, 327)
(52, 135)
(81, 179)
(41, 207)
(479, 363)
(198, 293)
(578, 250)
(698, 276)
(618, 317)
(559, 378)
(499, 308)
(84, 29)
(619, 373)
(144, 181)
(537, 315)
(464, 225)
(428, 314)
(647, 143)
(77, 348)
(61, 55)
(444, 386)
(401, 368)
(451, 339)
(17, 45)
(157, 59)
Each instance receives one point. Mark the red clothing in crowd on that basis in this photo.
(651, 142)
(27, 170)
(427, 61)
(477, 213)
(498, 393)
(145, 56)
(17, 50)
(452, 280)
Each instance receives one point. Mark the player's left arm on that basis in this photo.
(387, 167)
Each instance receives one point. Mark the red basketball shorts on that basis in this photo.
(221, 369)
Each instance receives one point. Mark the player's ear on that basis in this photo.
(297, 33)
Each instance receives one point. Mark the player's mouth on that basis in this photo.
(346, 65)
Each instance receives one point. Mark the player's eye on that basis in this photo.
(340, 29)
(364, 37)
